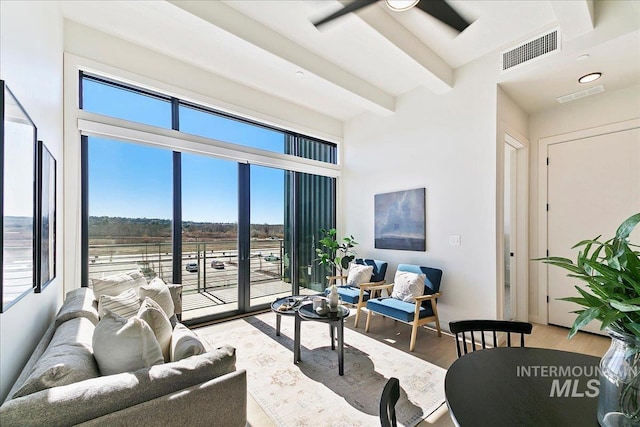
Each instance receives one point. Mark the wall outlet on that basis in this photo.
(454, 240)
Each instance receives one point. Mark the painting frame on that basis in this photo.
(46, 232)
(400, 220)
(18, 139)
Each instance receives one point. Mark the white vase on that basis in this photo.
(334, 298)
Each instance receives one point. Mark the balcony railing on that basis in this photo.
(209, 268)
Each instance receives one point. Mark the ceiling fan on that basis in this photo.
(439, 9)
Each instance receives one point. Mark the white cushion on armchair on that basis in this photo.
(359, 274)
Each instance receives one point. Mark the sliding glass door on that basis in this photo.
(209, 236)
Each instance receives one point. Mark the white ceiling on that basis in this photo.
(362, 62)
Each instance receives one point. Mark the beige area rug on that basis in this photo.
(312, 393)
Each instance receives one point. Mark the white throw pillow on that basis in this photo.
(125, 304)
(155, 317)
(158, 291)
(117, 283)
(407, 286)
(359, 274)
(184, 343)
(121, 345)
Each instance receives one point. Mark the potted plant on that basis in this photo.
(611, 271)
(334, 253)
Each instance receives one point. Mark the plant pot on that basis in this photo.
(619, 393)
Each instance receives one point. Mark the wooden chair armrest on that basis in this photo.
(371, 287)
(334, 279)
(367, 285)
(426, 297)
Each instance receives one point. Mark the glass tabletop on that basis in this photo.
(289, 304)
(306, 312)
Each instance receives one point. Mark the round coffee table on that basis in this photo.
(287, 306)
(335, 319)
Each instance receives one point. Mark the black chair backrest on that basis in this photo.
(390, 395)
(463, 326)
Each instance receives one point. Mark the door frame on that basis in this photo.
(519, 289)
(541, 251)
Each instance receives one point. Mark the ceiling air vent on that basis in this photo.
(532, 49)
(581, 94)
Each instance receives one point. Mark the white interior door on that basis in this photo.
(593, 185)
(510, 231)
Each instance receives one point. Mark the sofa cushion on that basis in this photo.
(125, 304)
(124, 345)
(158, 291)
(78, 303)
(67, 359)
(156, 318)
(351, 295)
(184, 343)
(407, 286)
(117, 283)
(397, 309)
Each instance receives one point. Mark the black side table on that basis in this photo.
(334, 319)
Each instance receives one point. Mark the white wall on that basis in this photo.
(585, 113)
(31, 41)
(447, 144)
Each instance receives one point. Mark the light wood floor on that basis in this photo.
(441, 351)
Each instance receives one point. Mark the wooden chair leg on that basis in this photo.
(357, 314)
(414, 334)
(366, 326)
(435, 313)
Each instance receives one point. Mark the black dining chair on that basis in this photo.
(462, 327)
(390, 395)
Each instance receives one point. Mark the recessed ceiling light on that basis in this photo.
(400, 5)
(299, 73)
(583, 57)
(588, 78)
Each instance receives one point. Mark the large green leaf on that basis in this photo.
(627, 227)
(624, 307)
(585, 317)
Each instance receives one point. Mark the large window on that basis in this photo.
(129, 209)
(236, 235)
(116, 100)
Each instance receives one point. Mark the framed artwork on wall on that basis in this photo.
(46, 217)
(18, 201)
(400, 220)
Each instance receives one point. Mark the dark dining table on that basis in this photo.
(519, 386)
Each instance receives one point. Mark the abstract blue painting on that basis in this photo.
(400, 220)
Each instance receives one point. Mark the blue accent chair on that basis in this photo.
(423, 311)
(359, 295)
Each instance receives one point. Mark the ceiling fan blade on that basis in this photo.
(351, 7)
(441, 10)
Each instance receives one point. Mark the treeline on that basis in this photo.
(110, 230)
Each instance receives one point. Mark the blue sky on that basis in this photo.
(132, 180)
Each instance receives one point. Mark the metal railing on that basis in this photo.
(206, 264)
